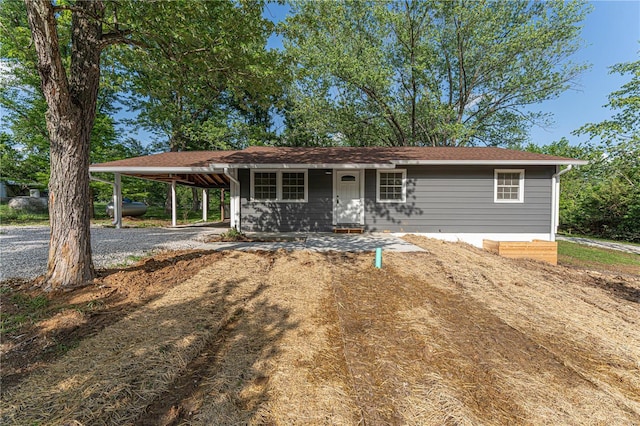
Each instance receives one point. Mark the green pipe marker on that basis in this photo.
(378, 257)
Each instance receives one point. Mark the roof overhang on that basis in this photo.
(306, 166)
(490, 162)
(199, 177)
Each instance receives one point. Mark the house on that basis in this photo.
(452, 193)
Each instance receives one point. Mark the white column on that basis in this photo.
(117, 200)
(235, 201)
(205, 204)
(174, 207)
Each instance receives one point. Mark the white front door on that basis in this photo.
(348, 197)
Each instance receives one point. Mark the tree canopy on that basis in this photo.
(434, 73)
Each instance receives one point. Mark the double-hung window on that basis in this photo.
(391, 186)
(280, 186)
(509, 186)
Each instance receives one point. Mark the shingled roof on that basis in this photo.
(328, 157)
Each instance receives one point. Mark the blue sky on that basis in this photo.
(611, 33)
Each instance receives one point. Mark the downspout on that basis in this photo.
(555, 200)
(117, 198)
(235, 200)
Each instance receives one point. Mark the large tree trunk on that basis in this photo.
(71, 112)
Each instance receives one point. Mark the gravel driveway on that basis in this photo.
(24, 249)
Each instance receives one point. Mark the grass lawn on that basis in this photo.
(155, 216)
(592, 257)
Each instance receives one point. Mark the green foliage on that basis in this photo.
(8, 216)
(24, 142)
(205, 80)
(603, 198)
(426, 72)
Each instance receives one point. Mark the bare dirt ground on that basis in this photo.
(451, 336)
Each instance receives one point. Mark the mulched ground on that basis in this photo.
(451, 336)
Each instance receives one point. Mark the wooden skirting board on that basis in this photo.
(348, 230)
(546, 251)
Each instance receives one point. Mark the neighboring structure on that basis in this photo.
(466, 194)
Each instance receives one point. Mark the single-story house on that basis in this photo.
(452, 193)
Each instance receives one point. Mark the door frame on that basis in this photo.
(361, 174)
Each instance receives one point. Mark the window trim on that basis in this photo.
(404, 185)
(520, 186)
(279, 173)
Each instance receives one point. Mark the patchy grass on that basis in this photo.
(156, 216)
(8, 216)
(20, 309)
(597, 258)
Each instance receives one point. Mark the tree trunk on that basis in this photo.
(70, 116)
(195, 203)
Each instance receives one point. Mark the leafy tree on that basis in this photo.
(612, 208)
(68, 41)
(207, 80)
(434, 73)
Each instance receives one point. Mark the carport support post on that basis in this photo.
(174, 209)
(117, 200)
(205, 204)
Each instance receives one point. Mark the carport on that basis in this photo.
(189, 168)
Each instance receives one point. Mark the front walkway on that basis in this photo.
(321, 242)
(611, 245)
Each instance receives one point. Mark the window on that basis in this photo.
(293, 186)
(280, 186)
(392, 186)
(509, 186)
(265, 186)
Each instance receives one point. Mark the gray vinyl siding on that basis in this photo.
(460, 199)
(315, 215)
(446, 199)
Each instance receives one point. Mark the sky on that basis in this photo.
(612, 35)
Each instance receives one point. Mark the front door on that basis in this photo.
(348, 198)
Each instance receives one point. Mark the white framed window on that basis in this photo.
(508, 185)
(289, 186)
(391, 186)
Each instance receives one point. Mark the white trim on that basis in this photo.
(152, 170)
(404, 186)
(520, 199)
(279, 173)
(361, 176)
(490, 162)
(475, 239)
(219, 167)
(278, 166)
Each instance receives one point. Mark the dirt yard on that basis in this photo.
(451, 336)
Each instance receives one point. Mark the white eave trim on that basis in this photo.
(219, 167)
(489, 162)
(307, 166)
(154, 170)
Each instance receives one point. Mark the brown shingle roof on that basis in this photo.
(379, 155)
(170, 159)
(336, 155)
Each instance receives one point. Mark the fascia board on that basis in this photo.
(304, 166)
(490, 162)
(149, 170)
